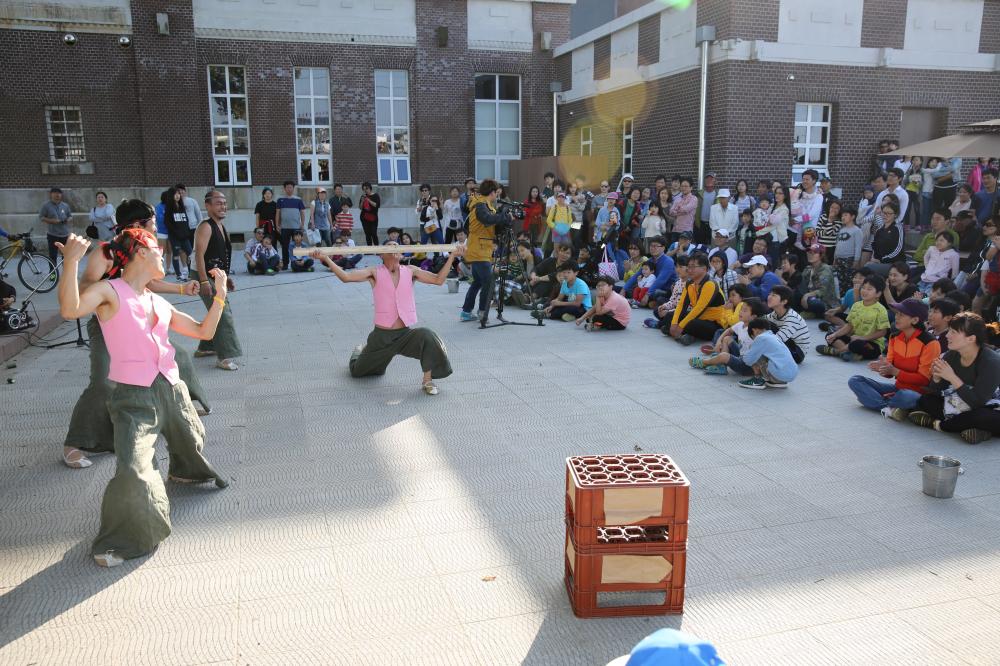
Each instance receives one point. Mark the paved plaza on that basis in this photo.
(369, 523)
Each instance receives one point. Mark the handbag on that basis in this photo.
(313, 236)
(607, 267)
(92, 228)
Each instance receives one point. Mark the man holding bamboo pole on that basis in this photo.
(395, 314)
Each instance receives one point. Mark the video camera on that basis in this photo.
(513, 208)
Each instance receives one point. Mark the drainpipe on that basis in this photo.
(555, 87)
(704, 36)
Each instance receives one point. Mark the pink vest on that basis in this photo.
(139, 352)
(394, 301)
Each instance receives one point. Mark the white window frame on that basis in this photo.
(66, 142)
(310, 134)
(808, 125)
(228, 128)
(628, 145)
(498, 157)
(392, 153)
(587, 140)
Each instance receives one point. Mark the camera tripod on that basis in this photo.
(80, 341)
(498, 283)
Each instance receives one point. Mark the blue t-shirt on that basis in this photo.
(780, 363)
(290, 207)
(848, 299)
(578, 287)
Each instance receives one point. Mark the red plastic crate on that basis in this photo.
(612, 490)
(636, 537)
(624, 567)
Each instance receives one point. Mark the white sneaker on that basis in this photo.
(108, 559)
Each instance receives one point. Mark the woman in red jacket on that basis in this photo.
(534, 213)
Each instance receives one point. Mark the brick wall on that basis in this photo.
(717, 13)
(563, 70)
(602, 58)
(989, 35)
(649, 40)
(96, 75)
(755, 141)
(883, 24)
(756, 19)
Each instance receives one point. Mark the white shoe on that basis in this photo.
(227, 364)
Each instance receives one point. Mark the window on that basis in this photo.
(812, 139)
(65, 128)
(312, 124)
(627, 126)
(392, 125)
(586, 140)
(227, 98)
(498, 125)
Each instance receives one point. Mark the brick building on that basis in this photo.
(793, 84)
(246, 93)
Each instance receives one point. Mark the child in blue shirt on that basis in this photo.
(772, 362)
(574, 295)
(299, 264)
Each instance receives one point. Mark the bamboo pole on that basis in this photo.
(344, 250)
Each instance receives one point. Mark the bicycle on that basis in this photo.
(36, 271)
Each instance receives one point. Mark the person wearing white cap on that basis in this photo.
(724, 214)
(758, 278)
(720, 243)
(319, 216)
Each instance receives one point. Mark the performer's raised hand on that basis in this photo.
(74, 248)
(221, 281)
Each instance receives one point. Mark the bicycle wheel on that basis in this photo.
(37, 273)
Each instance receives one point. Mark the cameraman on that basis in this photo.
(483, 219)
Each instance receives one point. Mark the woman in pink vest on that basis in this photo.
(148, 397)
(395, 314)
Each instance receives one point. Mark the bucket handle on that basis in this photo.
(961, 470)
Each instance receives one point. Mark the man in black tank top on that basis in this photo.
(212, 249)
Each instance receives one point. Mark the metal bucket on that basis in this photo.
(452, 285)
(940, 475)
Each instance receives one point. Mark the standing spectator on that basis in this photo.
(777, 222)
(976, 173)
(319, 216)
(683, 209)
(706, 200)
(847, 253)
(102, 216)
(534, 213)
(430, 221)
(370, 204)
(867, 200)
(577, 202)
(984, 201)
(343, 221)
(928, 174)
(810, 204)
(559, 219)
(549, 179)
(664, 199)
(339, 200)
(743, 200)
(162, 233)
(913, 182)
(653, 224)
(602, 196)
(470, 191)
(192, 209)
(631, 212)
(945, 184)
(607, 222)
(178, 232)
(826, 189)
(422, 201)
(963, 201)
(828, 229)
(266, 213)
(723, 215)
(213, 249)
(291, 215)
(57, 215)
(453, 219)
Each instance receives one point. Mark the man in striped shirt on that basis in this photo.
(792, 328)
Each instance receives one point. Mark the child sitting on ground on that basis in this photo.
(863, 335)
(790, 273)
(640, 295)
(265, 258)
(837, 317)
(610, 311)
(940, 261)
(299, 264)
(586, 267)
(732, 344)
(791, 328)
(734, 303)
(574, 295)
(772, 362)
